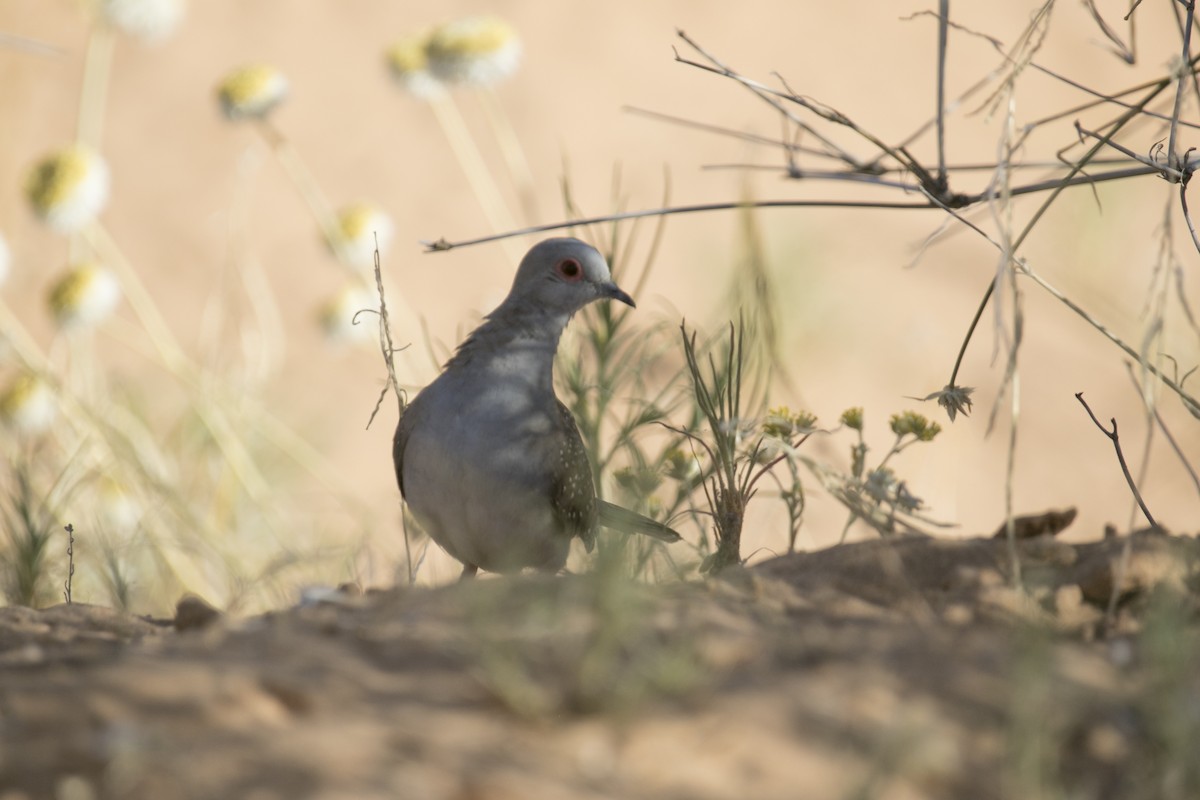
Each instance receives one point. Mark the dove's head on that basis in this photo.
(562, 276)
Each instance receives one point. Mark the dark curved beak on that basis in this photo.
(614, 292)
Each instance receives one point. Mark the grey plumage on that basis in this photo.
(490, 462)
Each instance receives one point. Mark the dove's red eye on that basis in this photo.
(570, 269)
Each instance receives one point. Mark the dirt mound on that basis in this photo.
(894, 669)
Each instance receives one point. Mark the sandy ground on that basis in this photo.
(889, 669)
(216, 231)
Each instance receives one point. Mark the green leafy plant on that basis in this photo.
(735, 468)
(878, 495)
(29, 527)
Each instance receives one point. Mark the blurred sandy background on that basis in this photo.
(860, 328)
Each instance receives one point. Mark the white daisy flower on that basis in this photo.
(84, 297)
(148, 20)
(409, 64)
(28, 404)
(477, 51)
(336, 315)
(354, 237)
(252, 91)
(68, 189)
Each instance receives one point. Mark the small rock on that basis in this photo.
(1072, 613)
(74, 787)
(1147, 568)
(26, 655)
(1121, 651)
(1068, 599)
(1049, 523)
(958, 614)
(193, 613)
(1107, 744)
(1045, 550)
(315, 595)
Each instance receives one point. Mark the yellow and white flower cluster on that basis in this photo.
(147, 20)
(28, 404)
(84, 296)
(409, 63)
(69, 188)
(476, 51)
(252, 92)
(337, 315)
(358, 227)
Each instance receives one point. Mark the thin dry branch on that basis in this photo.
(1125, 52)
(443, 244)
(386, 348)
(943, 23)
(1185, 58)
(1168, 172)
(771, 97)
(1183, 187)
(1114, 438)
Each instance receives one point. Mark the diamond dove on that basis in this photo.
(489, 460)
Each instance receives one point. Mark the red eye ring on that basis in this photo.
(569, 269)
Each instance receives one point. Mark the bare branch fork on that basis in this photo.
(934, 184)
(1112, 435)
(1169, 171)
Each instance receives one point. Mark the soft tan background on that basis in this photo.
(861, 329)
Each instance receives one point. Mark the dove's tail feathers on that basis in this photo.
(626, 521)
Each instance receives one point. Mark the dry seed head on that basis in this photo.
(476, 51)
(336, 315)
(408, 60)
(28, 404)
(358, 227)
(69, 188)
(147, 20)
(84, 296)
(955, 399)
(252, 92)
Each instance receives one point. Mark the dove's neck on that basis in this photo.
(517, 339)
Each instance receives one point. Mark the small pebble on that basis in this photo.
(193, 613)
